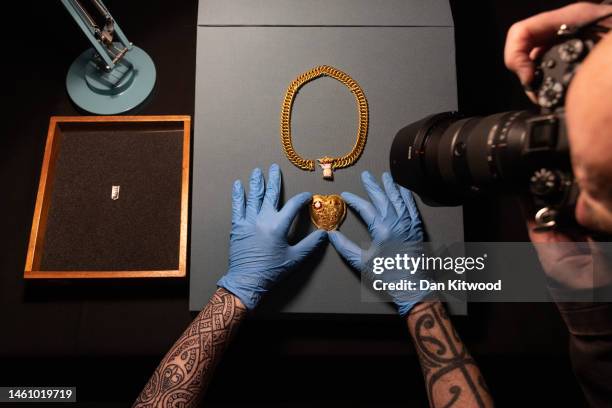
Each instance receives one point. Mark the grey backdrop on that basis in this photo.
(407, 71)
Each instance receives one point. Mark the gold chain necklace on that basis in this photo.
(327, 163)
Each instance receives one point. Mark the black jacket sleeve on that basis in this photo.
(590, 327)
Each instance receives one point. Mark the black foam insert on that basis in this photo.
(87, 230)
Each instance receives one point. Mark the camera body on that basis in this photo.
(446, 157)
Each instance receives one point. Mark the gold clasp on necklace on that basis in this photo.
(327, 164)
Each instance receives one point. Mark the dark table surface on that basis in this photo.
(110, 335)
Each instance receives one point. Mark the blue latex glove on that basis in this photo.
(393, 220)
(259, 254)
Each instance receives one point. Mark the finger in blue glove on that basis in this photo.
(392, 219)
(259, 254)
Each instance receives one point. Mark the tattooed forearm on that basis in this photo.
(451, 375)
(182, 376)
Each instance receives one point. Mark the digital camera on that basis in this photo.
(446, 157)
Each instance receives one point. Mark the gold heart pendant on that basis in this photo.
(327, 211)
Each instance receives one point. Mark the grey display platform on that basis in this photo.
(402, 54)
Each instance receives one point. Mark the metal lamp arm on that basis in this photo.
(103, 40)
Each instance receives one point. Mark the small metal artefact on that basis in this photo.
(115, 192)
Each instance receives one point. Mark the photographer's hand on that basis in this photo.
(526, 38)
(570, 258)
(579, 268)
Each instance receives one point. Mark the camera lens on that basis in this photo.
(445, 157)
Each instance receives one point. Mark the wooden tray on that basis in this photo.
(84, 227)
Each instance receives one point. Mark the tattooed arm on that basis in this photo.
(183, 374)
(394, 223)
(259, 256)
(452, 377)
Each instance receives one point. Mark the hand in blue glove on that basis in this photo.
(259, 254)
(393, 220)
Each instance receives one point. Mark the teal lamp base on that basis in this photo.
(109, 93)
